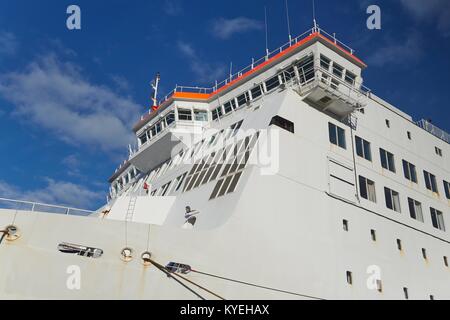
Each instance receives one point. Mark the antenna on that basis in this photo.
(267, 39)
(154, 85)
(314, 15)
(288, 22)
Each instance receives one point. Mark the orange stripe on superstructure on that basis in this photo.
(265, 63)
(191, 95)
(350, 55)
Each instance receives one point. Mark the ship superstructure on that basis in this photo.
(289, 167)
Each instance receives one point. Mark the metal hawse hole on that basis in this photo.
(12, 233)
(126, 254)
(145, 256)
(80, 250)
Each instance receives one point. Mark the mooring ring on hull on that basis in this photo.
(145, 256)
(126, 254)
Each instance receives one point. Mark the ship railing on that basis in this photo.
(431, 128)
(256, 63)
(22, 205)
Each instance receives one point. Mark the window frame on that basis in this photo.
(387, 160)
(363, 148)
(339, 134)
(391, 203)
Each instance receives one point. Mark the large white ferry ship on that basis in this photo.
(288, 180)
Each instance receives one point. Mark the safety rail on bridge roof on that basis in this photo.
(256, 63)
(22, 205)
(431, 128)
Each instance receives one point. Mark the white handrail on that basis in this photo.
(35, 205)
(256, 63)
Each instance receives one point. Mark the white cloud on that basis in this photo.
(54, 192)
(204, 71)
(395, 51)
(172, 7)
(225, 28)
(53, 95)
(435, 11)
(8, 43)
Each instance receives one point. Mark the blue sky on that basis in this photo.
(68, 99)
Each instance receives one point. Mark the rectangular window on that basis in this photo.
(392, 199)
(399, 245)
(336, 135)
(388, 123)
(350, 77)
(405, 292)
(437, 218)
(409, 171)
(363, 148)
(438, 151)
(200, 115)
(325, 62)
(143, 138)
(367, 189)
(373, 235)
(256, 92)
(349, 277)
(446, 261)
(242, 99)
(170, 118)
(447, 189)
(282, 123)
(272, 83)
(227, 107)
(424, 253)
(217, 113)
(345, 224)
(430, 181)
(337, 70)
(184, 114)
(387, 160)
(415, 209)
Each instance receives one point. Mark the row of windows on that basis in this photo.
(183, 115)
(337, 70)
(392, 200)
(304, 68)
(399, 244)
(387, 159)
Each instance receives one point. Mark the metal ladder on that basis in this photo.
(131, 207)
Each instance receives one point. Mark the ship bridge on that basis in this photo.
(323, 70)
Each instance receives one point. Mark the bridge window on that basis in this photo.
(325, 62)
(201, 115)
(415, 209)
(217, 113)
(282, 123)
(337, 70)
(143, 138)
(256, 92)
(336, 135)
(430, 181)
(272, 83)
(228, 106)
(437, 218)
(184, 114)
(306, 69)
(170, 118)
(350, 77)
(242, 99)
